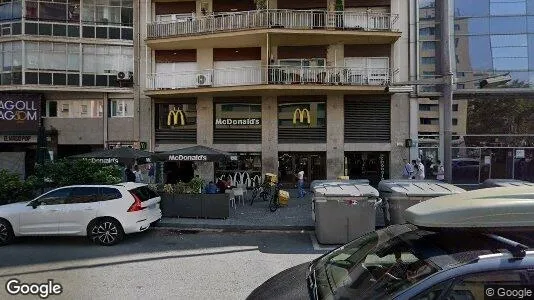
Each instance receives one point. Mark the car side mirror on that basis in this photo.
(35, 204)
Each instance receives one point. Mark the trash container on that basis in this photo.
(343, 210)
(398, 195)
(488, 183)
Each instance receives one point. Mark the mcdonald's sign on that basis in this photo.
(176, 117)
(302, 114)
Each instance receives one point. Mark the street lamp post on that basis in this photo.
(447, 87)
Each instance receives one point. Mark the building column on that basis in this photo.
(335, 130)
(269, 135)
(400, 131)
(205, 170)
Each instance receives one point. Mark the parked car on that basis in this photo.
(104, 213)
(453, 247)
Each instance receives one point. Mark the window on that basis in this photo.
(503, 8)
(10, 10)
(144, 193)
(428, 60)
(455, 107)
(169, 116)
(428, 45)
(429, 121)
(55, 197)
(304, 114)
(118, 13)
(74, 108)
(83, 195)
(121, 108)
(110, 194)
(428, 107)
(454, 122)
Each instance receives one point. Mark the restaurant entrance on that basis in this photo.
(290, 163)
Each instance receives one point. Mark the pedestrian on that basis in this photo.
(420, 173)
(130, 176)
(211, 188)
(300, 177)
(138, 175)
(415, 167)
(151, 174)
(407, 172)
(440, 174)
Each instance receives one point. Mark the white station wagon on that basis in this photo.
(104, 213)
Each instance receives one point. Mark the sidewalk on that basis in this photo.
(295, 216)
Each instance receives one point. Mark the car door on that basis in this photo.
(79, 209)
(43, 217)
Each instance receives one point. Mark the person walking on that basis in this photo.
(138, 175)
(130, 176)
(151, 173)
(407, 172)
(300, 177)
(420, 170)
(440, 174)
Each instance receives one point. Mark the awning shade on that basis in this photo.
(117, 155)
(195, 153)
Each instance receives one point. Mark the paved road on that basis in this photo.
(159, 264)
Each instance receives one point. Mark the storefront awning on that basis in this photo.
(195, 153)
(125, 155)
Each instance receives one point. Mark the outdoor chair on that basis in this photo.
(231, 197)
(244, 188)
(238, 193)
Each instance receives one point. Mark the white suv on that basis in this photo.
(104, 213)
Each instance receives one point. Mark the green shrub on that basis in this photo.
(13, 189)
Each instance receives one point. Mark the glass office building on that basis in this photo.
(493, 132)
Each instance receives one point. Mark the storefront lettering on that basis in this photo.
(18, 139)
(188, 157)
(105, 160)
(230, 121)
(302, 114)
(176, 117)
(18, 110)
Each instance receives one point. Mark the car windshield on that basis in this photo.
(375, 266)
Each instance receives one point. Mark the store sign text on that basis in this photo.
(18, 111)
(238, 122)
(188, 157)
(18, 139)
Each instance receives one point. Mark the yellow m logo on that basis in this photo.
(303, 114)
(174, 116)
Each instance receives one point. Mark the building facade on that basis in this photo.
(493, 125)
(283, 85)
(74, 60)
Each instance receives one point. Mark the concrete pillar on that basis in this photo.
(205, 58)
(400, 131)
(205, 170)
(335, 55)
(207, 5)
(269, 133)
(335, 128)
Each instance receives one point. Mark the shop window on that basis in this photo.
(74, 108)
(246, 169)
(176, 116)
(305, 114)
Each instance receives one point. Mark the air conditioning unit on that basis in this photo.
(204, 79)
(124, 76)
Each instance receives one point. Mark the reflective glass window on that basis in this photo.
(471, 8)
(508, 25)
(510, 63)
(474, 26)
(510, 52)
(509, 40)
(479, 54)
(504, 8)
(530, 24)
(531, 51)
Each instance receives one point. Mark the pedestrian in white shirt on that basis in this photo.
(420, 171)
(138, 175)
(440, 175)
(300, 177)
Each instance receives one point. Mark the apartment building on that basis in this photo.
(283, 85)
(68, 66)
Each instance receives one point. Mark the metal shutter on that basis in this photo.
(367, 120)
(236, 136)
(182, 136)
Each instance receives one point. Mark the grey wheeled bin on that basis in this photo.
(343, 210)
(488, 183)
(398, 195)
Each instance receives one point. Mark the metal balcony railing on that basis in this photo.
(273, 18)
(268, 75)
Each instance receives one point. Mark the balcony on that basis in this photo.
(276, 21)
(265, 78)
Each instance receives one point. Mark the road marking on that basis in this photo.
(320, 247)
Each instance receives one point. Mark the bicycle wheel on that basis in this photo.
(254, 195)
(273, 204)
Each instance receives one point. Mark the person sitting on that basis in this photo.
(211, 188)
(222, 185)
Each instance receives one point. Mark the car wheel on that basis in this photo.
(6, 233)
(106, 232)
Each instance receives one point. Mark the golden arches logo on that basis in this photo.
(303, 114)
(176, 117)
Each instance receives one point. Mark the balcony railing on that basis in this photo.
(268, 75)
(273, 18)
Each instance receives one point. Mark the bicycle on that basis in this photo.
(274, 202)
(259, 191)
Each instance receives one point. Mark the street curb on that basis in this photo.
(233, 228)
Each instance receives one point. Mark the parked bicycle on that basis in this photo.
(259, 191)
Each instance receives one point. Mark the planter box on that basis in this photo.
(214, 206)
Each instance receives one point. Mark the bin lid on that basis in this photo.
(506, 182)
(342, 188)
(417, 188)
(336, 182)
(485, 208)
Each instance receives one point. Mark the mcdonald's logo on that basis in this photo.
(176, 117)
(303, 114)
